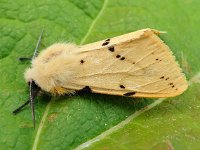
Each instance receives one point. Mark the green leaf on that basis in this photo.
(95, 120)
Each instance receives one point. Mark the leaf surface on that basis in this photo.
(77, 121)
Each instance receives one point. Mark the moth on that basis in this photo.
(137, 64)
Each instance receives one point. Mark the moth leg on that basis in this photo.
(22, 59)
(21, 107)
(86, 89)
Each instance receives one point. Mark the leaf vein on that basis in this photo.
(94, 22)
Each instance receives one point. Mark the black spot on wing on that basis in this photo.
(122, 58)
(86, 89)
(129, 93)
(162, 77)
(158, 59)
(118, 56)
(106, 42)
(82, 61)
(122, 86)
(111, 48)
(167, 78)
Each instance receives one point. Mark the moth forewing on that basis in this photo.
(136, 64)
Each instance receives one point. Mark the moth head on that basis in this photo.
(42, 75)
(31, 75)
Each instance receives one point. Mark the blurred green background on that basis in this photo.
(77, 121)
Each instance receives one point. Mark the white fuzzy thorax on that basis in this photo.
(51, 68)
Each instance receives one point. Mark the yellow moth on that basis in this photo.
(137, 64)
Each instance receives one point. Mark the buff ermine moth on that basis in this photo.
(137, 64)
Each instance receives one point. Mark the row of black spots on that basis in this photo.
(158, 59)
(87, 89)
(172, 85)
(120, 57)
(106, 42)
(167, 78)
(112, 49)
(163, 77)
(128, 93)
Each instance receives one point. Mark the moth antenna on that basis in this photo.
(16, 111)
(36, 49)
(38, 44)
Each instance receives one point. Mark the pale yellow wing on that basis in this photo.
(137, 64)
